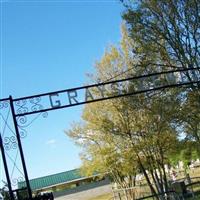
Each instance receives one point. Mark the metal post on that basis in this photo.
(20, 148)
(6, 169)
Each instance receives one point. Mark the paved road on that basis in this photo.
(87, 194)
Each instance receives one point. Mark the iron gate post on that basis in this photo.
(20, 148)
(6, 169)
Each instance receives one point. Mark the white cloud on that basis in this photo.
(51, 142)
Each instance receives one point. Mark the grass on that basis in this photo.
(193, 173)
(102, 197)
(197, 197)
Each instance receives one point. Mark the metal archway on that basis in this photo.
(42, 103)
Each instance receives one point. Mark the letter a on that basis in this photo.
(88, 95)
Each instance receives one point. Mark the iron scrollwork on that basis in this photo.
(21, 106)
(36, 105)
(4, 104)
(44, 114)
(21, 121)
(24, 106)
(10, 143)
(18, 180)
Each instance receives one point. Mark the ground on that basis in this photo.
(102, 197)
(105, 192)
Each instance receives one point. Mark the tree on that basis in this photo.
(169, 28)
(105, 154)
(190, 117)
(127, 135)
(4, 192)
(169, 31)
(105, 150)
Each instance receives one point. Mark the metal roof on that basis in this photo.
(53, 180)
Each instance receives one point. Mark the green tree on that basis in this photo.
(167, 33)
(191, 117)
(131, 134)
(4, 192)
(186, 151)
(169, 29)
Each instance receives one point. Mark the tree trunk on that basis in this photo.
(147, 178)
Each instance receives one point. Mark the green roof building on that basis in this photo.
(64, 183)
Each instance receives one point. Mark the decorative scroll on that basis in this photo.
(32, 104)
(9, 139)
(28, 105)
(21, 106)
(23, 122)
(16, 181)
(10, 143)
(36, 104)
(4, 104)
(44, 114)
(22, 132)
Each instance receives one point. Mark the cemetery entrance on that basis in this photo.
(14, 112)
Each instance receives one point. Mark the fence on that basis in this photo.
(186, 188)
(131, 193)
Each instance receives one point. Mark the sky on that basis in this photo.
(48, 46)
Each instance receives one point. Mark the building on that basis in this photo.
(64, 183)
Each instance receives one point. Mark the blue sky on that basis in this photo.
(48, 46)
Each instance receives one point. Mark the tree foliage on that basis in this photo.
(128, 135)
(140, 134)
(170, 32)
(171, 29)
